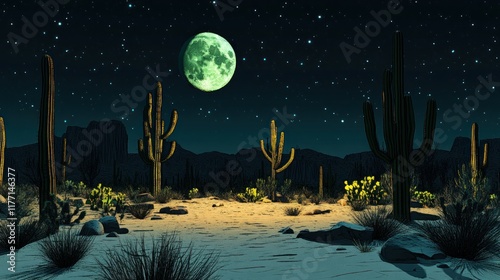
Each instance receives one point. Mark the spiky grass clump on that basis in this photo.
(28, 231)
(363, 247)
(358, 205)
(166, 259)
(140, 211)
(474, 239)
(378, 219)
(165, 195)
(292, 211)
(65, 248)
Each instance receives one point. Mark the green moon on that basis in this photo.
(209, 61)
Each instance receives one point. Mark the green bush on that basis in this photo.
(360, 195)
(250, 195)
(426, 198)
(194, 193)
(165, 195)
(104, 198)
(266, 187)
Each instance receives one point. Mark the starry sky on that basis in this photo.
(289, 62)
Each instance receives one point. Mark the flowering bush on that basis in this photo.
(250, 195)
(369, 191)
(194, 193)
(426, 198)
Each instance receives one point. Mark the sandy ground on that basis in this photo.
(250, 246)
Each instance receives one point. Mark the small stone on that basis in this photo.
(341, 249)
(112, 234)
(218, 204)
(156, 217)
(173, 210)
(286, 230)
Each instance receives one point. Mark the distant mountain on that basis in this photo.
(215, 170)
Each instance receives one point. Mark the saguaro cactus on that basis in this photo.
(151, 146)
(320, 192)
(399, 129)
(65, 161)
(274, 156)
(477, 171)
(47, 161)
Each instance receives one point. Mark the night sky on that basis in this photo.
(288, 57)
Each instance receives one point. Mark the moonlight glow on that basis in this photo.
(209, 61)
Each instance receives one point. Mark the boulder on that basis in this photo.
(405, 248)
(144, 197)
(174, 210)
(92, 227)
(342, 233)
(110, 224)
(286, 230)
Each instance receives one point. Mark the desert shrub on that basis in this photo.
(66, 248)
(315, 199)
(24, 197)
(140, 211)
(363, 247)
(165, 259)
(378, 219)
(426, 198)
(194, 193)
(250, 195)
(28, 231)
(229, 195)
(104, 198)
(286, 187)
(73, 188)
(477, 188)
(266, 187)
(469, 235)
(292, 211)
(165, 195)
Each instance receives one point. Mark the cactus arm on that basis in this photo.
(280, 149)
(371, 132)
(485, 156)
(274, 135)
(265, 152)
(292, 156)
(429, 126)
(173, 123)
(171, 153)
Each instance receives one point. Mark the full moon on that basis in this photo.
(209, 61)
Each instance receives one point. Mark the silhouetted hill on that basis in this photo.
(185, 170)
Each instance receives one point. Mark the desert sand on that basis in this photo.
(250, 246)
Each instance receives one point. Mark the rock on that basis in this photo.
(218, 204)
(342, 202)
(2, 199)
(92, 227)
(340, 234)
(77, 201)
(318, 212)
(173, 210)
(266, 200)
(156, 217)
(405, 248)
(110, 224)
(144, 197)
(112, 234)
(286, 230)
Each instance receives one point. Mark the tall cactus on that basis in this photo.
(2, 149)
(320, 192)
(151, 146)
(65, 161)
(399, 129)
(274, 156)
(477, 171)
(46, 153)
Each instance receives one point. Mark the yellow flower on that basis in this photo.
(345, 182)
